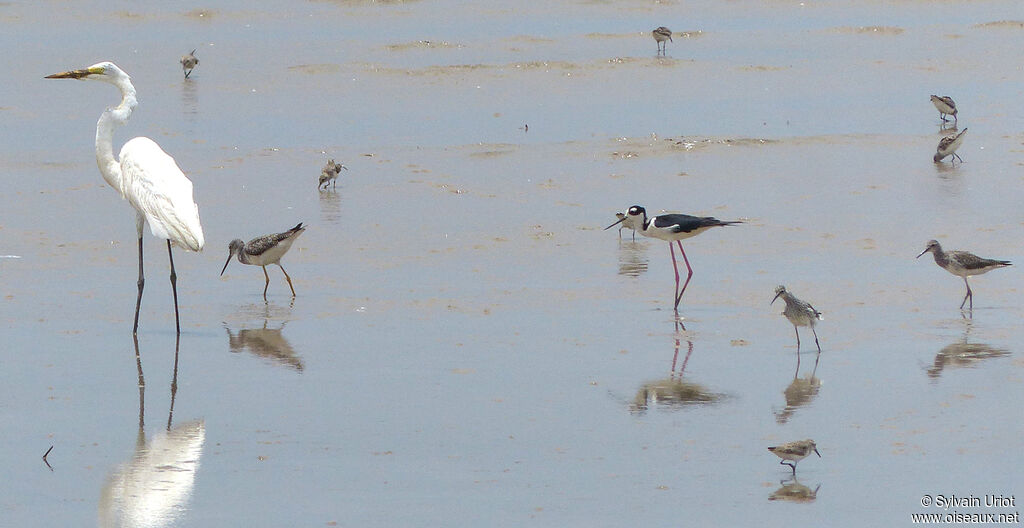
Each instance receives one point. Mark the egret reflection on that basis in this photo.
(266, 343)
(792, 490)
(152, 488)
(673, 392)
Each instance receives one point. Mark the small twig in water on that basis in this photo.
(47, 462)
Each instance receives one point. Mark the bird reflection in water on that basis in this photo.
(792, 490)
(265, 343)
(800, 392)
(153, 487)
(190, 103)
(673, 392)
(632, 258)
(963, 354)
(330, 208)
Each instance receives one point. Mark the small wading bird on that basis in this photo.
(948, 145)
(265, 250)
(799, 313)
(188, 62)
(660, 35)
(945, 105)
(962, 264)
(627, 223)
(145, 176)
(671, 228)
(329, 174)
(795, 451)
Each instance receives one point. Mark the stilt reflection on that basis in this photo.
(673, 392)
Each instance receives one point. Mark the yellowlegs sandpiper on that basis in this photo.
(962, 264)
(265, 250)
(799, 313)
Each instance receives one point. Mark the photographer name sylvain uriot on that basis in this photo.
(973, 501)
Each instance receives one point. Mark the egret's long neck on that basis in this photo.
(111, 118)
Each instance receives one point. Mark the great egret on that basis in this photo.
(146, 176)
(263, 251)
(188, 62)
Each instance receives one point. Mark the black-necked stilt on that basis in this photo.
(660, 35)
(948, 145)
(330, 174)
(945, 105)
(799, 313)
(795, 451)
(265, 250)
(188, 62)
(672, 228)
(962, 264)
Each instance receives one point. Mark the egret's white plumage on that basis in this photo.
(155, 186)
(145, 176)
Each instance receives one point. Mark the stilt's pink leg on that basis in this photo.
(689, 272)
(672, 252)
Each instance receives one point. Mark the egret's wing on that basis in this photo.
(154, 184)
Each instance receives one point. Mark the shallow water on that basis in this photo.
(467, 345)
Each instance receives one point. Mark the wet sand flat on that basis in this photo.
(467, 344)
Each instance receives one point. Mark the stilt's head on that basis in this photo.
(234, 248)
(780, 290)
(932, 245)
(637, 214)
